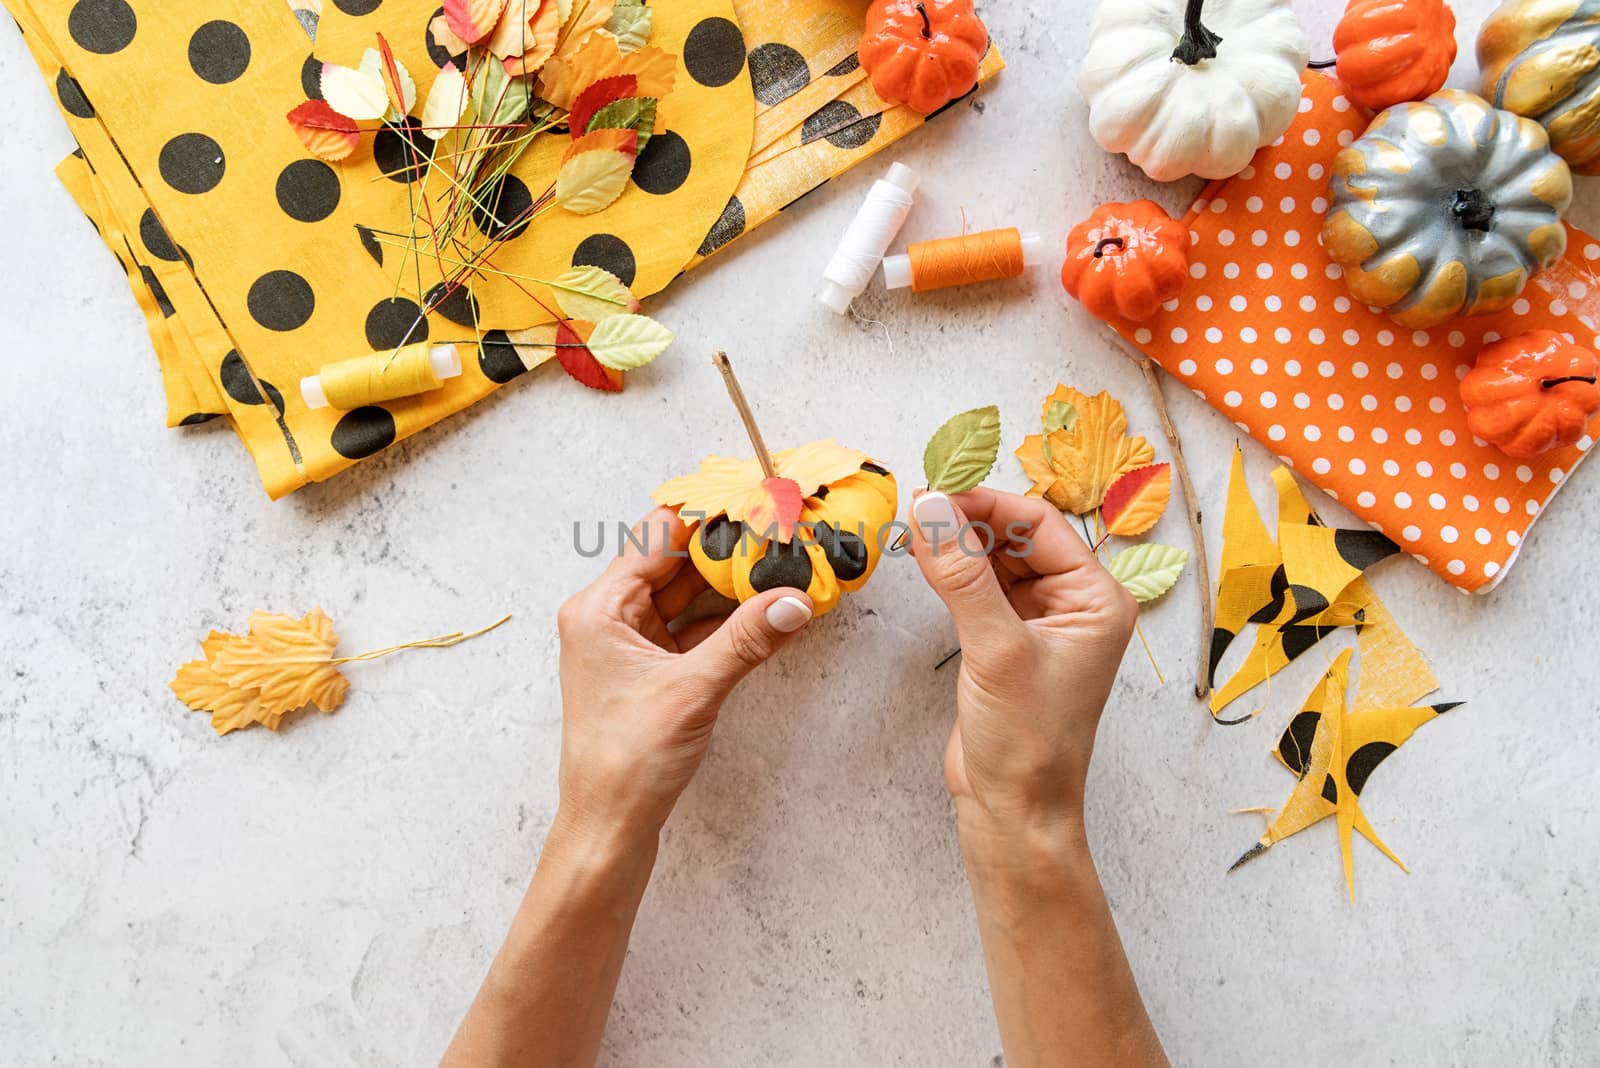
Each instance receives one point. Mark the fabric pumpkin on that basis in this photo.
(1541, 60)
(923, 53)
(834, 550)
(1183, 97)
(1125, 260)
(1394, 50)
(1445, 208)
(1532, 393)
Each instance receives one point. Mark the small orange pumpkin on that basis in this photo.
(924, 53)
(1532, 393)
(1394, 50)
(1126, 259)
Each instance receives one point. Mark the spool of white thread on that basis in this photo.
(871, 231)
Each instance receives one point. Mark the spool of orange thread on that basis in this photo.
(959, 261)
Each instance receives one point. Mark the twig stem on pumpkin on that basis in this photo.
(729, 379)
(1152, 378)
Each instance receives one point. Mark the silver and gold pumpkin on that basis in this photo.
(835, 549)
(1445, 207)
(1541, 59)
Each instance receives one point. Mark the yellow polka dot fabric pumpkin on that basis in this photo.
(1445, 208)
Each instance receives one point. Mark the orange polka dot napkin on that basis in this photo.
(1266, 332)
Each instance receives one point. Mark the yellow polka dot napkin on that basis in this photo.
(1266, 332)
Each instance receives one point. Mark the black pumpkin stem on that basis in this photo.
(1552, 383)
(1473, 209)
(1108, 242)
(1197, 42)
(927, 26)
(1321, 64)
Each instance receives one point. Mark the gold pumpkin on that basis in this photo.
(1541, 58)
(1445, 208)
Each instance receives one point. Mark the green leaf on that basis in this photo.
(1148, 569)
(1061, 416)
(626, 342)
(962, 452)
(497, 97)
(630, 25)
(592, 294)
(637, 113)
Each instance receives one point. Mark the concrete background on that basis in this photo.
(331, 895)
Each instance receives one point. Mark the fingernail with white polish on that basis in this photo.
(788, 614)
(936, 520)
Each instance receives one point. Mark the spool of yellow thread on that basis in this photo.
(959, 261)
(381, 376)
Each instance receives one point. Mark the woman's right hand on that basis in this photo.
(1043, 628)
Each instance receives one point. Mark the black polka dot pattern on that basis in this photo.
(155, 238)
(777, 72)
(153, 284)
(845, 551)
(457, 305)
(237, 384)
(393, 322)
(727, 227)
(720, 536)
(402, 151)
(308, 190)
(369, 241)
(364, 431)
(281, 300)
(102, 26)
(311, 78)
(505, 213)
(607, 252)
(357, 7)
(498, 358)
(713, 53)
(308, 21)
(438, 52)
(70, 93)
(841, 124)
(783, 565)
(197, 418)
(219, 52)
(847, 65)
(192, 163)
(664, 164)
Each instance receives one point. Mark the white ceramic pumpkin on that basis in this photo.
(1180, 96)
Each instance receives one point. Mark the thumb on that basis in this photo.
(955, 563)
(748, 638)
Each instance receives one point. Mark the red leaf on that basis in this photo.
(580, 363)
(473, 20)
(326, 134)
(1136, 500)
(391, 78)
(787, 501)
(603, 92)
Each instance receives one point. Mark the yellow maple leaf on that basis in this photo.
(289, 661)
(205, 691)
(733, 487)
(1081, 463)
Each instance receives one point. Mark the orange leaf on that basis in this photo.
(391, 79)
(326, 134)
(1084, 461)
(624, 141)
(775, 505)
(473, 20)
(1136, 500)
(572, 70)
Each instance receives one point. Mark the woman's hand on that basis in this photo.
(1042, 628)
(639, 693)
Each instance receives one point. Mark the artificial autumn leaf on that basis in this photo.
(1058, 415)
(473, 20)
(774, 506)
(288, 661)
(962, 452)
(570, 71)
(1333, 753)
(203, 690)
(592, 180)
(355, 93)
(536, 345)
(1148, 569)
(624, 141)
(579, 362)
(593, 294)
(636, 113)
(538, 44)
(447, 102)
(627, 342)
(497, 97)
(1083, 461)
(630, 24)
(326, 134)
(596, 97)
(580, 21)
(445, 37)
(1135, 501)
(723, 485)
(397, 82)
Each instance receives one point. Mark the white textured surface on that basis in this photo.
(332, 894)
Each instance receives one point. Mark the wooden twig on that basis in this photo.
(720, 360)
(1152, 378)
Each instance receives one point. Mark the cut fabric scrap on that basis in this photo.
(1300, 589)
(1333, 753)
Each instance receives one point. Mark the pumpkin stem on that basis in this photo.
(1472, 209)
(1108, 242)
(927, 26)
(720, 360)
(1321, 64)
(1197, 42)
(1552, 383)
